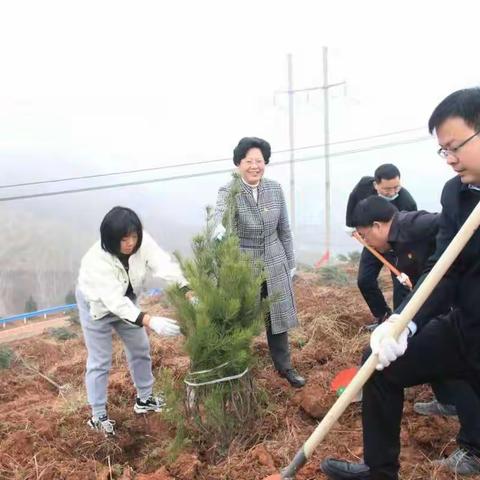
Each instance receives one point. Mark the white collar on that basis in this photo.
(248, 185)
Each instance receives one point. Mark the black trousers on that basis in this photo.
(446, 392)
(433, 355)
(277, 343)
(367, 282)
(461, 394)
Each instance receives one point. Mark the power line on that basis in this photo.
(204, 174)
(203, 162)
(291, 129)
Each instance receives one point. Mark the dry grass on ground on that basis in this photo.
(43, 434)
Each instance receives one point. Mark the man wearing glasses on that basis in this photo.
(434, 346)
(386, 184)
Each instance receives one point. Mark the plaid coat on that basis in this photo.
(264, 233)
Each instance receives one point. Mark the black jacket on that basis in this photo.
(412, 237)
(365, 188)
(459, 289)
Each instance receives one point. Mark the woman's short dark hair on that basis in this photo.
(118, 223)
(387, 171)
(246, 143)
(373, 209)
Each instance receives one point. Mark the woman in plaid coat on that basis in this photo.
(264, 232)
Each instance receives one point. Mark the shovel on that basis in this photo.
(418, 299)
(402, 277)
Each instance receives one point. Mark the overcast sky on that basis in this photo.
(97, 86)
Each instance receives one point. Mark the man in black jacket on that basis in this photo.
(386, 184)
(435, 346)
(411, 237)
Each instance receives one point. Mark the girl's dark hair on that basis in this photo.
(246, 143)
(118, 223)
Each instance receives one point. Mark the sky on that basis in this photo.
(101, 86)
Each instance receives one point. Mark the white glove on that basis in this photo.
(403, 279)
(164, 326)
(349, 230)
(219, 232)
(293, 272)
(385, 346)
(193, 300)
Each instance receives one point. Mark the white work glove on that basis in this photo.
(164, 326)
(349, 230)
(219, 232)
(190, 296)
(403, 279)
(193, 300)
(385, 346)
(293, 272)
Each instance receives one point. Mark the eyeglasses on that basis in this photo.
(446, 152)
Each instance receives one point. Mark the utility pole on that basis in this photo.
(326, 132)
(326, 141)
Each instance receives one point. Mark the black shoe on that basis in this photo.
(293, 377)
(376, 322)
(372, 326)
(342, 470)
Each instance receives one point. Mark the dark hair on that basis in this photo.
(372, 209)
(462, 103)
(246, 143)
(117, 224)
(387, 171)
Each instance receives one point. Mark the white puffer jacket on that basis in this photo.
(104, 281)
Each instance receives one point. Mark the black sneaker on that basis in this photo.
(376, 322)
(371, 327)
(102, 424)
(151, 404)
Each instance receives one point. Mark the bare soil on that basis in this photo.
(43, 435)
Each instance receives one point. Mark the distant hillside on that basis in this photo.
(39, 257)
(41, 250)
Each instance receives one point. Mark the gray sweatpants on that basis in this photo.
(98, 340)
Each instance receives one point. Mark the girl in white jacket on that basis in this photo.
(112, 274)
